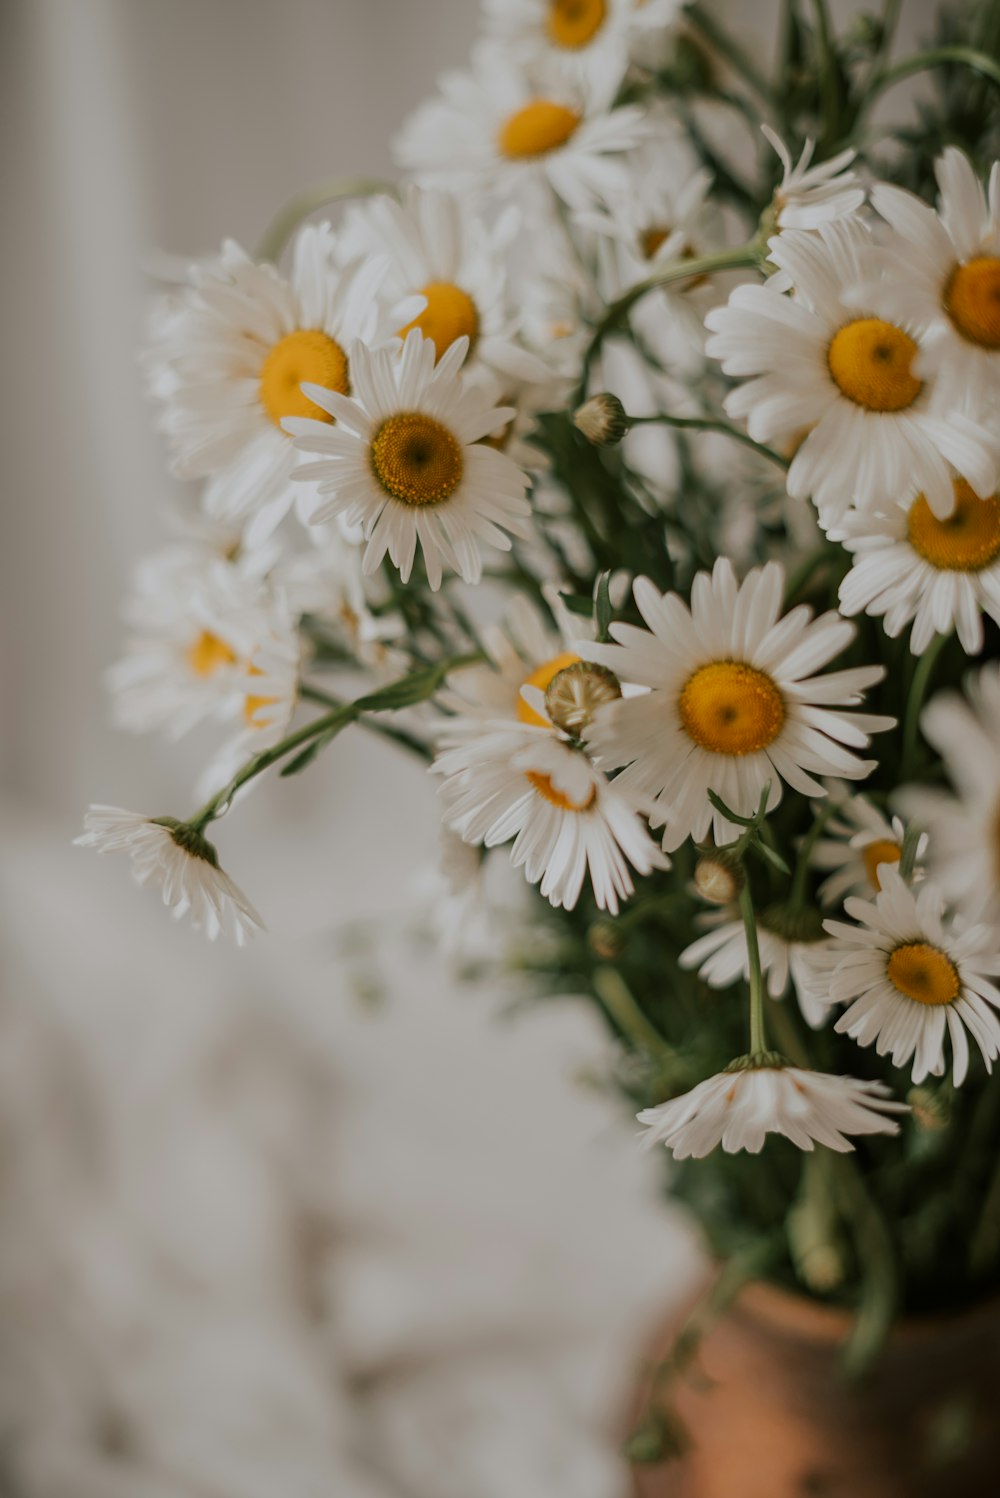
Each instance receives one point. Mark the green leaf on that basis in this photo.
(602, 607)
(416, 687)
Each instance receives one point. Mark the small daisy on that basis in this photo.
(910, 978)
(785, 940)
(567, 819)
(738, 1108)
(269, 696)
(943, 274)
(732, 702)
(846, 375)
(807, 195)
(232, 358)
(181, 861)
(493, 130)
(858, 840)
(581, 40)
(406, 461)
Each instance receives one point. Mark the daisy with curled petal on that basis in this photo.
(857, 840)
(785, 939)
(738, 1108)
(406, 461)
(910, 978)
(808, 195)
(232, 357)
(732, 701)
(494, 130)
(963, 827)
(181, 862)
(846, 374)
(567, 819)
(910, 567)
(943, 274)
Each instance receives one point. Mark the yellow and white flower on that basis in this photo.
(582, 40)
(732, 701)
(269, 696)
(785, 941)
(178, 861)
(808, 196)
(406, 461)
(857, 841)
(910, 979)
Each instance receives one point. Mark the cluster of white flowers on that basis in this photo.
(364, 419)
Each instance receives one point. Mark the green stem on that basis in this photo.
(614, 994)
(709, 424)
(915, 701)
(920, 62)
(727, 47)
(758, 1034)
(828, 69)
(877, 1260)
(796, 898)
(397, 736)
(281, 228)
(803, 574)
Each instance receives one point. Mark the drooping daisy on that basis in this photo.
(567, 820)
(910, 978)
(846, 375)
(943, 274)
(963, 828)
(495, 130)
(808, 195)
(182, 863)
(939, 574)
(785, 940)
(733, 702)
(857, 839)
(406, 461)
(584, 40)
(234, 353)
(739, 1108)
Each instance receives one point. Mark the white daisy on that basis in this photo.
(582, 40)
(494, 130)
(844, 374)
(857, 840)
(270, 686)
(910, 978)
(808, 195)
(406, 461)
(732, 701)
(943, 274)
(785, 940)
(566, 818)
(234, 354)
(181, 862)
(738, 1108)
(963, 829)
(911, 567)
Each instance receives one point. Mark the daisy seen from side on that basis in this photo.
(786, 940)
(857, 839)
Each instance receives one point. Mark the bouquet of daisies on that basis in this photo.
(634, 463)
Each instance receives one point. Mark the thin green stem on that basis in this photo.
(614, 994)
(335, 190)
(828, 69)
(796, 898)
(758, 1032)
(915, 701)
(876, 1258)
(709, 424)
(727, 47)
(398, 736)
(921, 62)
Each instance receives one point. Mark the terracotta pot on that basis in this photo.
(769, 1414)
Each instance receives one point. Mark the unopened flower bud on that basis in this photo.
(575, 693)
(931, 1110)
(718, 878)
(602, 420)
(605, 940)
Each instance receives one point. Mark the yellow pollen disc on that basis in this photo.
(972, 300)
(731, 708)
(540, 678)
(651, 239)
(450, 313)
(967, 540)
(537, 128)
(416, 459)
(208, 654)
(574, 23)
(306, 355)
(882, 850)
(543, 785)
(870, 361)
(924, 973)
(252, 704)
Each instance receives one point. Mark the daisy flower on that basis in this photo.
(567, 820)
(181, 862)
(494, 130)
(785, 941)
(846, 375)
(963, 828)
(581, 40)
(269, 695)
(732, 702)
(910, 978)
(233, 356)
(739, 1108)
(858, 840)
(943, 274)
(407, 463)
(911, 567)
(808, 195)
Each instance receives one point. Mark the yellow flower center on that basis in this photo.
(540, 678)
(731, 708)
(252, 704)
(870, 361)
(450, 313)
(651, 239)
(924, 973)
(882, 850)
(972, 300)
(967, 540)
(574, 23)
(305, 355)
(537, 128)
(543, 785)
(208, 654)
(416, 459)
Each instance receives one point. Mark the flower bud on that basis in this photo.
(575, 693)
(602, 420)
(718, 878)
(931, 1110)
(605, 940)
